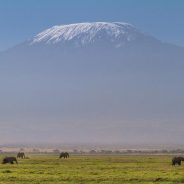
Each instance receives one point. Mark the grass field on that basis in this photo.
(47, 169)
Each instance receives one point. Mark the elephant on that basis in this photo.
(64, 155)
(21, 155)
(177, 160)
(9, 160)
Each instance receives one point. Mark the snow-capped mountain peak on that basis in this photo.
(80, 34)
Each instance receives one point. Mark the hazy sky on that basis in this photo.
(22, 19)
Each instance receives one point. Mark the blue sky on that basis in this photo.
(22, 19)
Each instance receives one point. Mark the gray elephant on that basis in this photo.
(9, 160)
(177, 160)
(21, 155)
(64, 155)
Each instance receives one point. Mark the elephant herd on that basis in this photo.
(12, 160)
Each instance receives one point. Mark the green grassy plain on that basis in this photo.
(112, 169)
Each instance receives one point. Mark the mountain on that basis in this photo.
(92, 82)
(95, 42)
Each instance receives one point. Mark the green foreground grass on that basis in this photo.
(47, 169)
